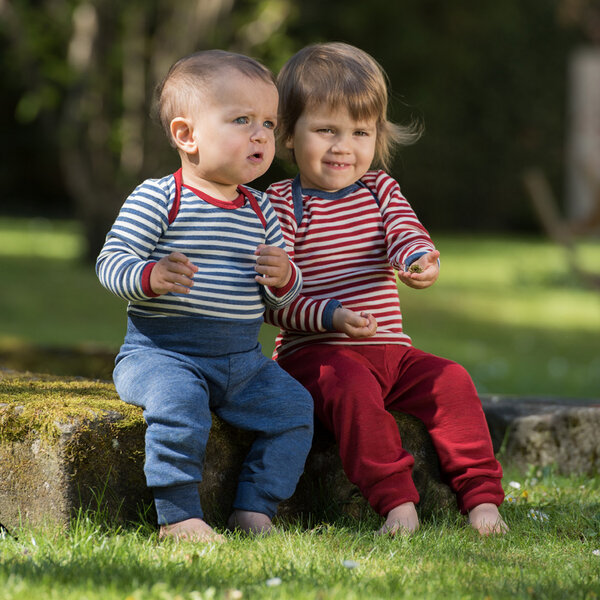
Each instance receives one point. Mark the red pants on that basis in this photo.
(354, 387)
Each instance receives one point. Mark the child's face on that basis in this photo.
(233, 130)
(332, 149)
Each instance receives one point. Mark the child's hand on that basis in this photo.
(354, 325)
(173, 273)
(429, 271)
(272, 265)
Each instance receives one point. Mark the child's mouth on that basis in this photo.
(256, 157)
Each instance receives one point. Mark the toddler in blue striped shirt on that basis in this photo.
(198, 256)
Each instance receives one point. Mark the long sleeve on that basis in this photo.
(304, 314)
(405, 236)
(123, 265)
(278, 298)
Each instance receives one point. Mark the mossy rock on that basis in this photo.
(70, 443)
(67, 444)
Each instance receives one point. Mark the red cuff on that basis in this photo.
(282, 291)
(146, 280)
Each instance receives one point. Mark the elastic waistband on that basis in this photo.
(195, 336)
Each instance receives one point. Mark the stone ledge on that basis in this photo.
(67, 444)
(546, 431)
(70, 443)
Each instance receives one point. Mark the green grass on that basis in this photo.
(551, 552)
(507, 308)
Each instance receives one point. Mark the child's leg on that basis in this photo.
(265, 399)
(175, 402)
(349, 402)
(441, 393)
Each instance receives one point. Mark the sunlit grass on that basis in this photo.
(507, 308)
(40, 237)
(551, 552)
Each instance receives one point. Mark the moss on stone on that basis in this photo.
(45, 403)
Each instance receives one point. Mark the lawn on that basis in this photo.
(505, 307)
(552, 552)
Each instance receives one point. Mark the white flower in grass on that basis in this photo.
(514, 484)
(274, 581)
(596, 552)
(538, 515)
(350, 564)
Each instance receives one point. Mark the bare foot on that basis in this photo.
(401, 520)
(195, 530)
(486, 519)
(250, 522)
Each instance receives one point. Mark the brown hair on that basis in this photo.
(337, 74)
(190, 76)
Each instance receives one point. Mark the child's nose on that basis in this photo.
(341, 144)
(260, 134)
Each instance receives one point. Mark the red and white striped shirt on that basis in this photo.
(347, 245)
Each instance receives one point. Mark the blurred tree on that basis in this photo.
(488, 81)
(88, 70)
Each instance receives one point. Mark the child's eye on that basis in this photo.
(269, 124)
(361, 133)
(242, 120)
(326, 130)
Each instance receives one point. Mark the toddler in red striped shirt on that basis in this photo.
(350, 230)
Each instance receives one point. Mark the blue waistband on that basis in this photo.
(195, 336)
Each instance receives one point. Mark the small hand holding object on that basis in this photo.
(173, 273)
(423, 272)
(353, 324)
(272, 265)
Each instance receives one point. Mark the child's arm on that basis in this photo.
(280, 278)
(408, 242)
(123, 265)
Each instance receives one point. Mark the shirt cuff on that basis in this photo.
(146, 289)
(411, 259)
(327, 319)
(282, 291)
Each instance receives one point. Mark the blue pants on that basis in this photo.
(178, 370)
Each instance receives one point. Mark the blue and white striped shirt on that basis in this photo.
(219, 241)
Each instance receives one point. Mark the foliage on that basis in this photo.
(488, 83)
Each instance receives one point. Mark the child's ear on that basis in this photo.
(182, 132)
(289, 143)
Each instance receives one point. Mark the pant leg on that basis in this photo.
(174, 397)
(348, 396)
(441, 393)
(263, 398)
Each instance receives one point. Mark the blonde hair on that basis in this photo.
(335, 74)
(182, 88)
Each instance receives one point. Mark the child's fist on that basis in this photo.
(173, 273)
(272, 265)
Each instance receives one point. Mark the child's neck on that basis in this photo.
(220, 191)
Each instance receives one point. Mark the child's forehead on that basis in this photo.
(339, 111)
(239, 88)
